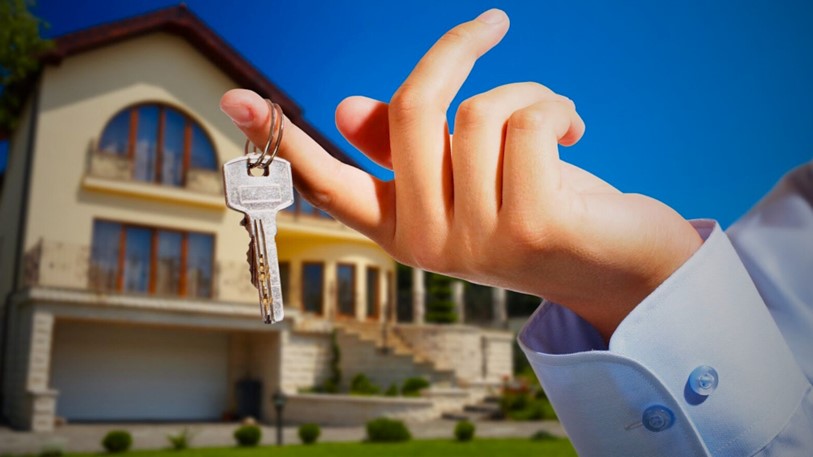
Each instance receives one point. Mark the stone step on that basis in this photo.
(466, 415)
(488, 408)
(372, 333)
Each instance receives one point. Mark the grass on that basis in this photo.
(418, 448)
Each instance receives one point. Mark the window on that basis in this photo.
(285, 279)
(132, 258)
(313, 285)
(346, 280)
(162, 143)
(372, 292)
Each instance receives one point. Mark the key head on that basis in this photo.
(270, 190)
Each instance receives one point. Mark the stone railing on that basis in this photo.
(60, 265)
(120, 168)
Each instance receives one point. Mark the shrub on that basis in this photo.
(361, 385)
(387, 430)
(51, 450)
(248, 435)
(543, 435)
(333, 382)
(440, 308)
(526, 406)
(392, 390)
(117, 441)
(180, 441)
(464, 431)
(412, 387)
(309, 433)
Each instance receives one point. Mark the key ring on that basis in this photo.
(273, 131)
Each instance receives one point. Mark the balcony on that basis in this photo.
(121, 168)
(116, 174)
(63, 266)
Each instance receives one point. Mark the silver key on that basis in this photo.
(260, 198)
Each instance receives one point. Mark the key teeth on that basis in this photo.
(252, 268)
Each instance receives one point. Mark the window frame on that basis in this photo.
(189, 123)
(183, 291)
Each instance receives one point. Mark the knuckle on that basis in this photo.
(570, 104)
(475, 110)
(320, 197)
(535, 86)
(407, 100)
(534, 118)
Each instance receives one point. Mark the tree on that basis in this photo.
(440, 308)
(20, 48)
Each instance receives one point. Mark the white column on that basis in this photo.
(498, 303)
(418, 296)
(459, 303)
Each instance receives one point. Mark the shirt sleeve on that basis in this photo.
(700, 367)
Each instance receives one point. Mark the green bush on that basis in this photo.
(332, 383)
(51, 450)
(523, 406)
(440, 309)
(117, 441)
(464, 431)
(361, 385)
(543, 435)
(392, 390)
(309, 433)
(387, 430)
(412, 387)
(180, 441)
(248, 435)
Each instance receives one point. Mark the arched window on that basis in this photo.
(162, 143)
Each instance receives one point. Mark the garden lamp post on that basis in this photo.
(279, 399)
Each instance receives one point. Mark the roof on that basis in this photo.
(179, 20)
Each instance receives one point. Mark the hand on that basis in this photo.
(494, 205)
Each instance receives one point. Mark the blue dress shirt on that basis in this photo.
(717, 361)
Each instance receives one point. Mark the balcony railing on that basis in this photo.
(120, 168)
(59, 265)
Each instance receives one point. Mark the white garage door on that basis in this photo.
(121, 372)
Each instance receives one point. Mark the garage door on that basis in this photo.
(125, 372)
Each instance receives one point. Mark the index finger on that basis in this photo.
(353, 196)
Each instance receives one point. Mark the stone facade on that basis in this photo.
(472, 353)
(305, 360)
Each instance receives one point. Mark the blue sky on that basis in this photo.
(703, 105)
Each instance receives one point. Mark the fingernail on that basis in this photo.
(239, 114)
(492, 16)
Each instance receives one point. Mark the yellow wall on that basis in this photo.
(82, 94)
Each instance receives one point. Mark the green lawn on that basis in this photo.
(445, 448)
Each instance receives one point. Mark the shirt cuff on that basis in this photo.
(702, 347)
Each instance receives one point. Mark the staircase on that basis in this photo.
(486, 409)
(385, 357)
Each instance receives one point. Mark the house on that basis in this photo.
(124, 286)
